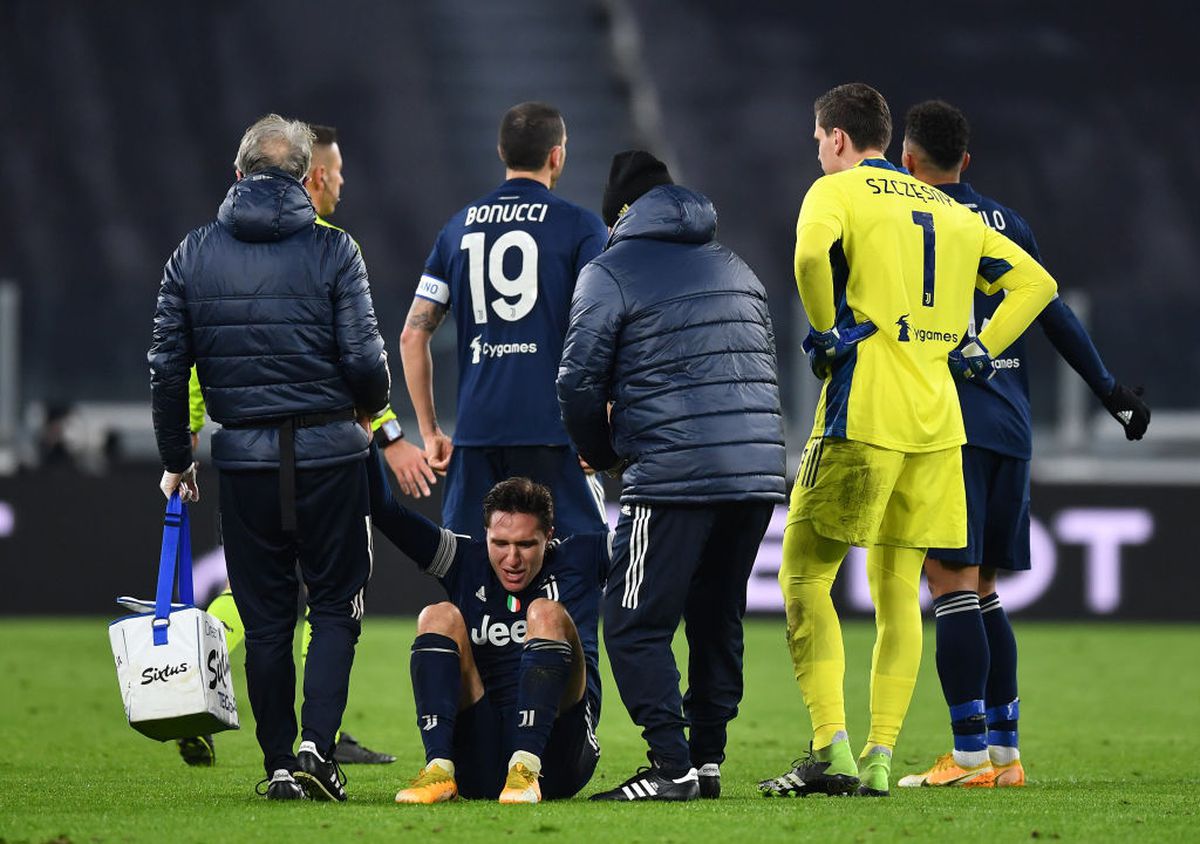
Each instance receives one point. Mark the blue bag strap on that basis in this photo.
(176, 556)
(184, 569)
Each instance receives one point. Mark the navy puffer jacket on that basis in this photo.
(673, 329)
(276, 313)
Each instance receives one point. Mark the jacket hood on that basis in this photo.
(266, 206)
(668, 212)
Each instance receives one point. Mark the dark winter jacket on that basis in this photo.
(673, 329)
(276, 314)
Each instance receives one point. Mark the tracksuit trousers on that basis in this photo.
(690, 562)
(332, 544)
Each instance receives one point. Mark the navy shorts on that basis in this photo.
(997, 512)
(473, 471)
(482, 749)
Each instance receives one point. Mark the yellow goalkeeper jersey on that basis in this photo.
(874, 243)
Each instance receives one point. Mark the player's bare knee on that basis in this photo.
(548, 619)
(948, 577)
(987, 581)
(443, 618)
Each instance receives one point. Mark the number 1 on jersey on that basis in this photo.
(523, 286)
(925, 220)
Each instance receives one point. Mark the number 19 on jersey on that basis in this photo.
(522, 287)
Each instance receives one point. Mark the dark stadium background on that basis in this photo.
(120, 122)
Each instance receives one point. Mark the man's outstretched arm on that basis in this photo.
(431, 547)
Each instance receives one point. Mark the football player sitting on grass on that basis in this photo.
(505, 672)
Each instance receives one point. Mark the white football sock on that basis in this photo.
(1002, 754)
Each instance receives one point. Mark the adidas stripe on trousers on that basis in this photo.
(673, 562)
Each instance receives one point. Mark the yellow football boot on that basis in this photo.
(948, 773)
(521, 786)
(434, 784)
(1010, 775)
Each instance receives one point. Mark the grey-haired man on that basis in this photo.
(275, 312)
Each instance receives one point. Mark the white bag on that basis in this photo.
(173, 664)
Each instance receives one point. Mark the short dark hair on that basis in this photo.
(940, 130)
(325, 136)
(858, 110)
(520, 495)
(527, 134)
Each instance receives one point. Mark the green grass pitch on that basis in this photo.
(1109, 737)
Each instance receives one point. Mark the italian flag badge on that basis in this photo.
(514, 605)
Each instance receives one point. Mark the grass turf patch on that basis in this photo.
(1108, 730)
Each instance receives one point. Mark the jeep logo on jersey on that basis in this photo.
(481, 349)
(909, 332)
(498, 633)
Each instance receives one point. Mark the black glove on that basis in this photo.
(1127, 407)
(972, 361)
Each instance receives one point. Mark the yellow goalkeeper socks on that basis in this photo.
(224, 610)
(810, 563)
(894, 575)
(305, 641)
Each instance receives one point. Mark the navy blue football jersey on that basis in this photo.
(573, 573)
(996, 412)
(506, 266)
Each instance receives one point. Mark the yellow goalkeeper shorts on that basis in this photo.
(865, 495)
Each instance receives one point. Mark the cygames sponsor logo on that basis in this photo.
(908, 333)
(481, 349)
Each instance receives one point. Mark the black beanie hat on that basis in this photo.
(633, 173)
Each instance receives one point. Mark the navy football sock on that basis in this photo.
(962, 663)
(545, 670)
(1002, 710)
(436, 680)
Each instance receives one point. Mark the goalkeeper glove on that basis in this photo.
(1127, 407)
(826, 347)
(971, 361)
